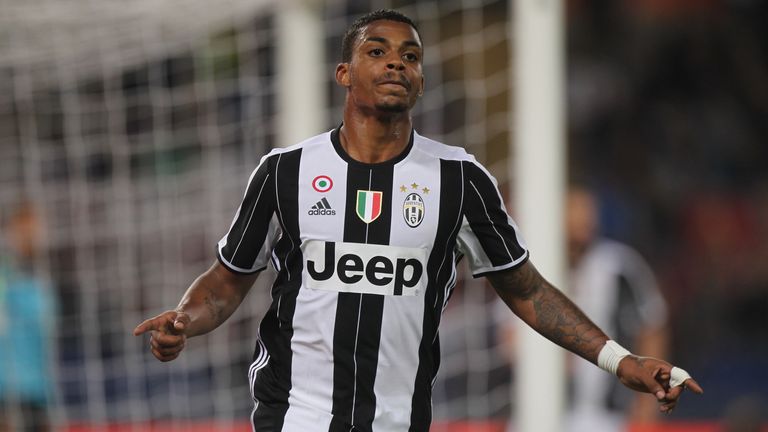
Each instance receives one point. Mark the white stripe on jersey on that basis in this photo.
(312, 362)
(314, 318)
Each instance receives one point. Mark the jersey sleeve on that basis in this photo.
(247, 246)
(488, 237)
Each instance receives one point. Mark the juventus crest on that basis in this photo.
(413, 209)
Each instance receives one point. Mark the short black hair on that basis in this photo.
(348, 42)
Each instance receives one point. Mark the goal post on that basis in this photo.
(301, 61)
(538, 169)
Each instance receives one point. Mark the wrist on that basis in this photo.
(610, 356)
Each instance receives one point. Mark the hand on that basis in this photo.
(650, 375)
(168, 335)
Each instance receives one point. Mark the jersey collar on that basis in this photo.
(344, 155)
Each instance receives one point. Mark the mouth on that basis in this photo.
(402, 84)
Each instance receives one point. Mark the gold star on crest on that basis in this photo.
(415, 185)
(403, 188)
(425, 190)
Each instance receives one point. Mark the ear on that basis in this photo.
(342, 74)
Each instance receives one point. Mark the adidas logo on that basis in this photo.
(323, 207)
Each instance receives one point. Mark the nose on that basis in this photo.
(396, 65)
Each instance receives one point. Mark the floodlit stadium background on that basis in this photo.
(133, 127)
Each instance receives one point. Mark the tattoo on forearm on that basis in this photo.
(554, 315)
(566, 324)
(210, 303)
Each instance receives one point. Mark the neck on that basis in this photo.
(576, 251)
(374, 139)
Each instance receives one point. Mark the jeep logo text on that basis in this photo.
(363, 268)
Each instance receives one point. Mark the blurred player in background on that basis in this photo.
(615, 287)
(27, 309)
(364, 225)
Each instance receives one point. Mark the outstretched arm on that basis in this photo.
(548, 311)
(208, 302)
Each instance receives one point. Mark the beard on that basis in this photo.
(392, 107)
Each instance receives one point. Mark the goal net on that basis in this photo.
(132, 128)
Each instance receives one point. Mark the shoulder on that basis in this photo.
(435, 149)
(608, 247)
(619, 256)
(311, 142)
(269, 160)
(440, 150)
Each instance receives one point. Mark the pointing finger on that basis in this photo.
(679, 377)
(150, 324)
(691, 384)
(162, 322)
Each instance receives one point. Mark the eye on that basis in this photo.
(376, 52)
(410, 57)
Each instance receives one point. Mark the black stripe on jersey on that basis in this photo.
(625, 310)
(487, 217)
(273, 382)
(249, 230)
(357, 332)
(338, 425)
(439, 269)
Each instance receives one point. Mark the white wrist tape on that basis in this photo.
(677, 376)
(610, 356)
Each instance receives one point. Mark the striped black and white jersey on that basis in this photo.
(365, 257)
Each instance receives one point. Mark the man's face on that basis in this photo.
(24, 233)
(581, 221)
(384, 73)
